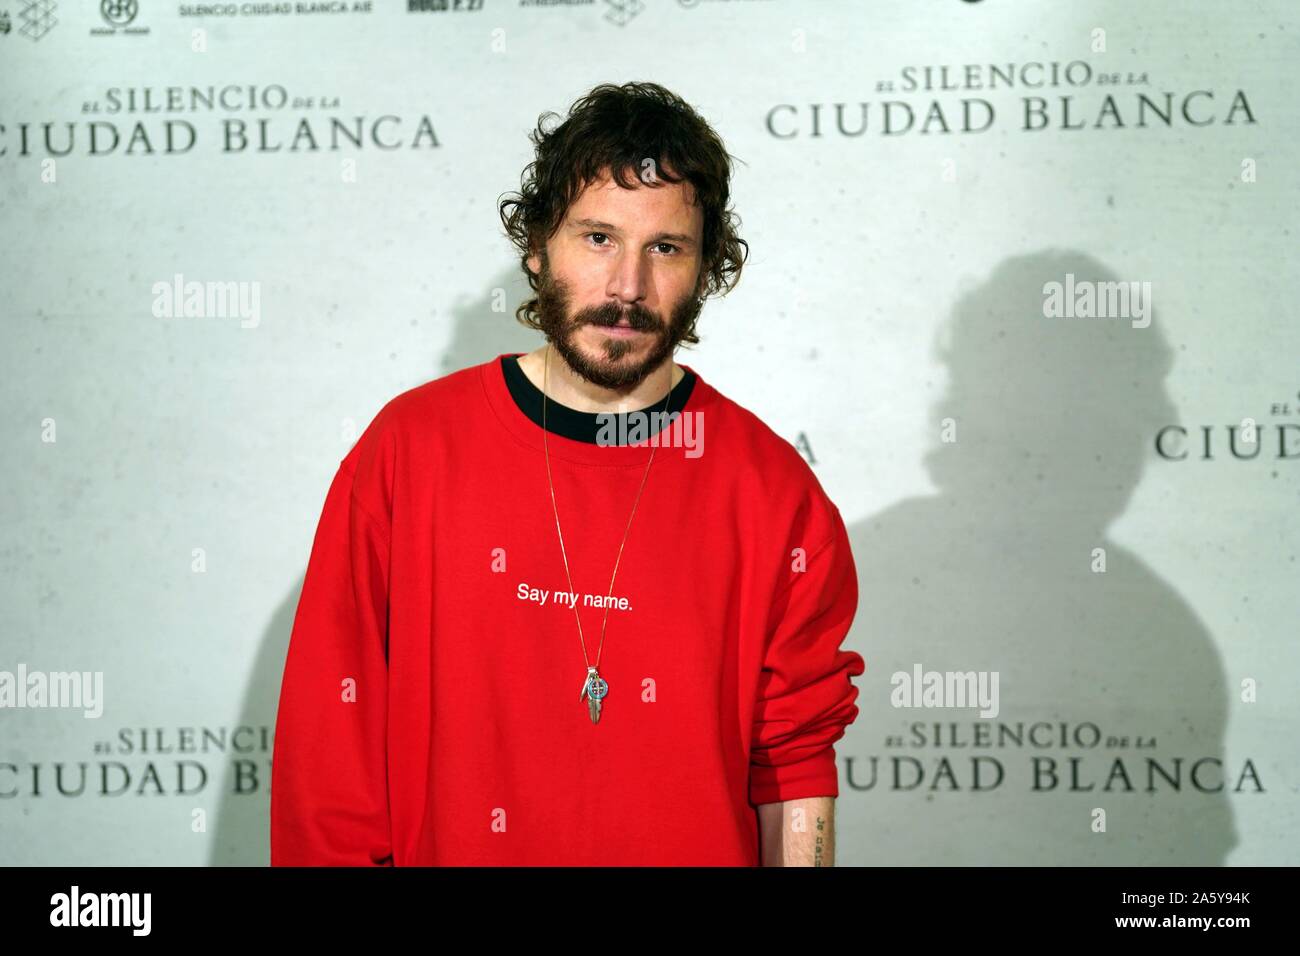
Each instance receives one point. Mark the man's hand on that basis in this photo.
(797, 832)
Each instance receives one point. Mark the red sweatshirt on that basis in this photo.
(431, 712)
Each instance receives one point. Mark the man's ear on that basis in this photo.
(534, 264)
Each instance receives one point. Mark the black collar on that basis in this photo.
(571, 423)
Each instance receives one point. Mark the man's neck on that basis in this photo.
(565, 386)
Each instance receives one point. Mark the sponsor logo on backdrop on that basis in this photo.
(233, 118)
(622, 12)
(297, 9)
(1245, 440)
(151, 762)
(695, 3)
(1073, 96)
(557, 3)
(618, 12)
(119, 19)
(35, 18)
(442, 6)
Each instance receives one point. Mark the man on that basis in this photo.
(462, 685)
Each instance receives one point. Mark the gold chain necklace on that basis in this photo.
(594, 687)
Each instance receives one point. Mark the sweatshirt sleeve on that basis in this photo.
(806, 697)
(329, 795)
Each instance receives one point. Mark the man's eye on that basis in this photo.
(591, 234)
(668, 244)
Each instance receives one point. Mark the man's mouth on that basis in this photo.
(620, 324)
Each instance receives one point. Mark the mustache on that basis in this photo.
(638, 318)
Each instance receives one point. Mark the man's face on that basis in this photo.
(619, 280)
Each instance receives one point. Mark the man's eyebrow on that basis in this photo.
(611, 228)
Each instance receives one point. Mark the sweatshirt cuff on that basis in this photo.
(814, 776)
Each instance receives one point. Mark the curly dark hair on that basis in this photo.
(617, 128)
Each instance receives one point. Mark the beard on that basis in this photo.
(610, 370)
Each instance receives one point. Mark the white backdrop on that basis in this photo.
(998, 468)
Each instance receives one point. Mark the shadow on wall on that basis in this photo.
(1055, 420)
(242, 829)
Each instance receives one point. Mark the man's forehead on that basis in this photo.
(605, 200)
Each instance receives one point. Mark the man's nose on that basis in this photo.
(629, 278)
